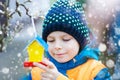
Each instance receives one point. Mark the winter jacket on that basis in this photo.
(86, 67)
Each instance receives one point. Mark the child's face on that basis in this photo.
(62, 46)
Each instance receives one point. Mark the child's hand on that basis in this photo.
(50, 71)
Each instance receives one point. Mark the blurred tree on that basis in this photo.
(100, 14)
(3, 21)
(5, 16)
(113, 37)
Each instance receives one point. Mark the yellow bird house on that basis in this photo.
(36, 50)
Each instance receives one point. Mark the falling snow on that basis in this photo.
(14, 56)
(19, 55)
(102, 47)
(110, 63)
(5, 70)
(119, 43)
(117, 31)
(19, 33)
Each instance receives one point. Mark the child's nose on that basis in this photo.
(58, 45)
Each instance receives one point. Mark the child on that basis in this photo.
(69, 54)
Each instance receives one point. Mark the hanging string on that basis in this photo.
(33, 24)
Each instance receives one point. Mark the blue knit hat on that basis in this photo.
(67, 16)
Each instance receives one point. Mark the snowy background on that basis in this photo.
(11, 60)
(100, 15)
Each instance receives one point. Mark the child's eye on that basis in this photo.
(66, 39)
(50, 40)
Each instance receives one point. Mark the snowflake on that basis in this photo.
(19, 55)
(30, 31)
(5, 70)
(1, 32)
(117, 31)
(102, 47)
(110, 63)
(118, 42)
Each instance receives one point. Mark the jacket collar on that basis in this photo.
(79, 59)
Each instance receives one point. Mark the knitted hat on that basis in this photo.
(67, 16)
